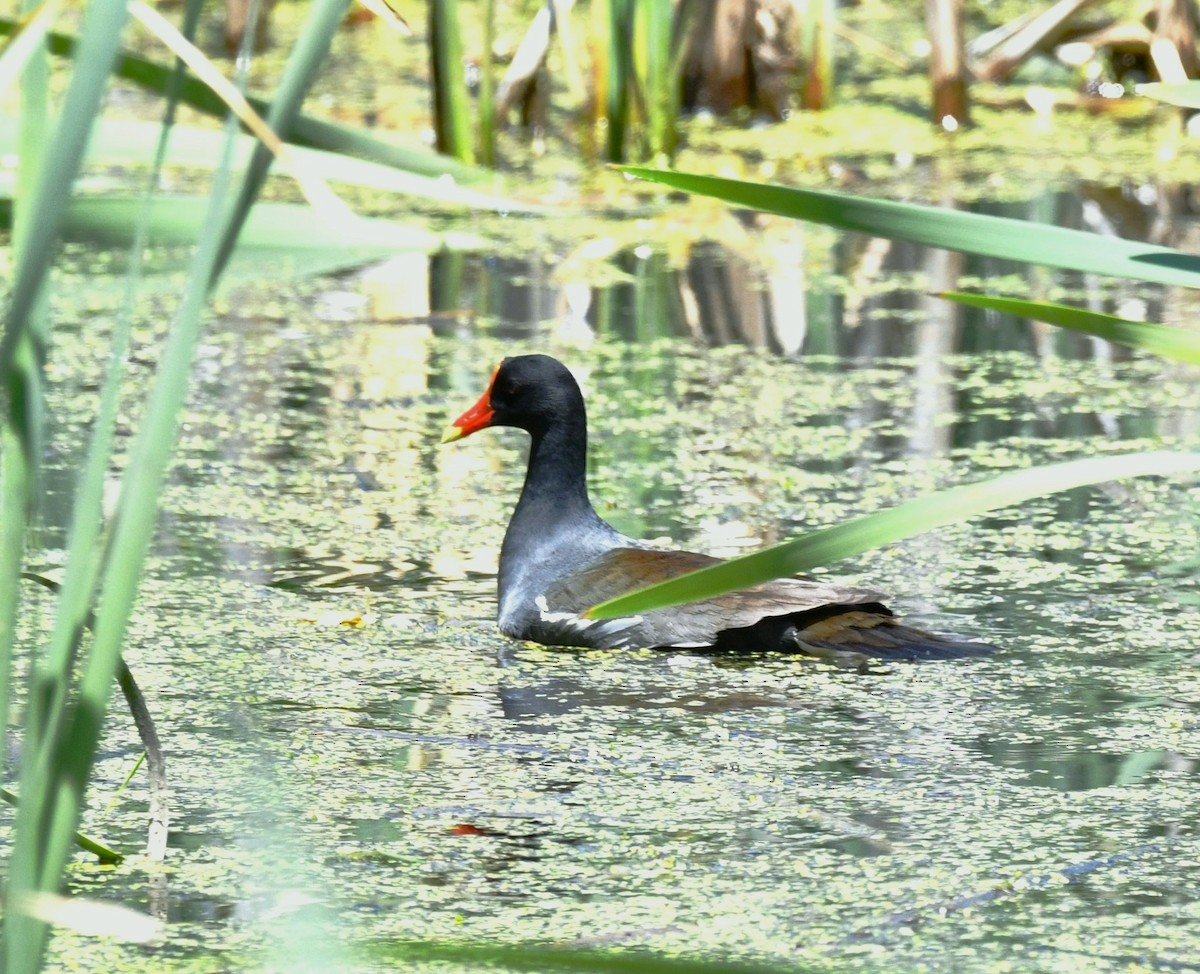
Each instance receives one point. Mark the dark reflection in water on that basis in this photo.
(549, 698)
(304, 395)
(299, 570)
(202, 908)
(861, 297)
(1065, 766)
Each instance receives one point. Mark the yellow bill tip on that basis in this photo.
(451, 434)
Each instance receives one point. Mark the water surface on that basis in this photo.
(356, 754)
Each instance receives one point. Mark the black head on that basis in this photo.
(530, 392)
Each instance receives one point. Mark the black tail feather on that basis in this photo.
(881, 638)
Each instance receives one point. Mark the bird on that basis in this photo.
(560, 558)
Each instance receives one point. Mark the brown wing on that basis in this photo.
(696, 623)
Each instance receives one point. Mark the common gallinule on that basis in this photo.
(559, 557)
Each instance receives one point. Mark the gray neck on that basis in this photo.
(554, 527)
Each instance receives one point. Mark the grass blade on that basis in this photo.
(1173, 343)
(975, 233)
(819, 23)
(98, 49)
(487, 88)
(78, 591)
(305, 129)
(302, 66)
(659, 85)
(106, 855)
(864, 533)
(618, 77)
(288, 227)
(540, 959)
(69, 754)
(66, 758)
(26, 41)
(1184, 94)
(279, 240)
(451, 115)
(22, 352)
(314, 188)
(126, 142)
(20, 422)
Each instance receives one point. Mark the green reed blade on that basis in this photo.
(303, 62)
(864, 533)
(487, 88)
(26, 41)
(22, 351)
(20, 418)
(451, 116)
(97, 51)
(991, 236)
(538, 959)
(659, 84)
(619, 77)
(306, 130)
(1185, 94)
(1180, 344)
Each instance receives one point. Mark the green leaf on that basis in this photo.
(305, 130)
(657, 84)
(864, 533)
(282, 239)
(105, 854)
(1184, 94)
(283, 226)
(127, 142)
(25, 41)
(61, 165)
(303, 63)
(1173, 343)
(22, 402)
(451, 103)
(48, 814)
(975, 233)
(475, 956)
